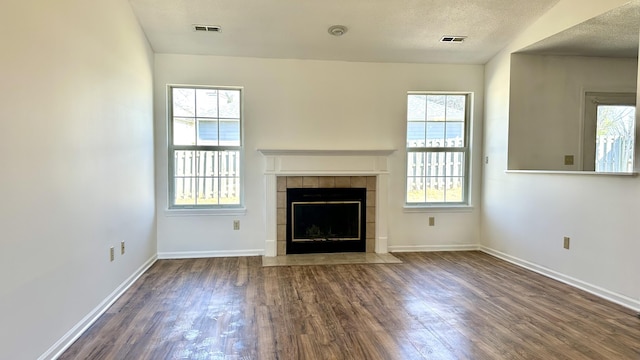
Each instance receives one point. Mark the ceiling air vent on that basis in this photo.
(212, 28)
(452, 39)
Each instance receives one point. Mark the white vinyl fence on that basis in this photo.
(614, 153)
(435, 170)
(207, 177)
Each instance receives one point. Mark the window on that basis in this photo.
(609, 132)
(437, 149)
(205, 145)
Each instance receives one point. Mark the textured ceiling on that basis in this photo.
(378, 30)
(612, 34)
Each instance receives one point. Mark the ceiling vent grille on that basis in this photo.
(452, 39)
(211, 28)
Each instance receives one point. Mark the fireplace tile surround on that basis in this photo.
(325, 169)
(296, 182)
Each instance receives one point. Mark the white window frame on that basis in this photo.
(465, 204)
(177, 209)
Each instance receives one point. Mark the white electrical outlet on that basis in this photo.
(432, 221)
(112, 253)
(236, 224)
(122, 247)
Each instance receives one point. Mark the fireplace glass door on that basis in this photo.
(326, 220)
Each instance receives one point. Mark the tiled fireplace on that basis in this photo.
(286, 169)
(325, 182)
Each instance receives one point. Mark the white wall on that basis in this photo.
(77, 164)
(526, 216)
(301, 104)
(547, 103)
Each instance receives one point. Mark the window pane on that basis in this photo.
(230, 163)
(229, 191)
(416, 163)
(208, 164)
(416, 134)
(230, 132)
(184, 132)
(455, 134)
(207, 178)
(229, 103)
(435, 134)
(437, 164)
(207, 132)
(185, 190)
(416, 190)
(230, 177)
(416, 107)
(456, 107)
(435, 189)
(207, 191)
(184, 102)
(436, 107)
(431, 159)
(615, 131)
(207, 103)
(456, 164)
(184, 163)
(454, 189)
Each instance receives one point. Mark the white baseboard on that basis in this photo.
(208, 254)
(72, 335)
(428, 248)
(619, 299)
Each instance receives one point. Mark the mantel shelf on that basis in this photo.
(326, 152)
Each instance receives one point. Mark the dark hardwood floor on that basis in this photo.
(459, 305)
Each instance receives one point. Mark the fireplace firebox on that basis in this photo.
(326, 220)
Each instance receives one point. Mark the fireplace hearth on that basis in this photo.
(326, 220)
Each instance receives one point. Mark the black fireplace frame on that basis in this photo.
(321, 195)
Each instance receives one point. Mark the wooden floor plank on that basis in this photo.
(461, 305)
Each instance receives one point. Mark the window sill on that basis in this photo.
(561, 172)
(438, 208)
(206, 212)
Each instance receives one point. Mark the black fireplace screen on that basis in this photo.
(329, 220)
(326, 220)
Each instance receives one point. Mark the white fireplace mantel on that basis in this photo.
(321, 152)
(329, 162)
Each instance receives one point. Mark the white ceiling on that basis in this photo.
(378, 30)
(612, 34)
